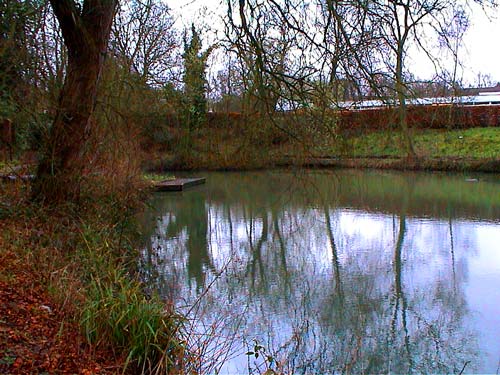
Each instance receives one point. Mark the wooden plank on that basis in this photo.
(179, 184)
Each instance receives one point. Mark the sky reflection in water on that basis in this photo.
(346, 271)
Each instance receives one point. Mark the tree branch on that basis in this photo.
(71, 24)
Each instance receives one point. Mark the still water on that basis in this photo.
(333, 271)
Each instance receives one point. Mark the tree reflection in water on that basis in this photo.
(319, 274)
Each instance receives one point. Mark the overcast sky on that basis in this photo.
(482, 44)
(480, 53)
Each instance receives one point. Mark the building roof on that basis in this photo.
(481, 90)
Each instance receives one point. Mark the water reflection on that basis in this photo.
(352, 272)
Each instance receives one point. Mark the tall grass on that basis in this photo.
(117, 314)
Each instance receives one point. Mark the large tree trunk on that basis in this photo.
(86, 34)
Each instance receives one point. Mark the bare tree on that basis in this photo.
(399, 23)
(273, 50)
(389, 29)
(451, 34)
(144, 38)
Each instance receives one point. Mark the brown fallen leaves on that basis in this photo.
(38, 335)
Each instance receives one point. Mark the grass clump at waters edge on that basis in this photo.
(85, 260)
(118, 315)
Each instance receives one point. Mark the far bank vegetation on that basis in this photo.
(274, 87)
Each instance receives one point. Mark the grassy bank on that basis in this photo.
(476, 143)
(71, 301)
(476, 149)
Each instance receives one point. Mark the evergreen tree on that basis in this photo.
(195, 82)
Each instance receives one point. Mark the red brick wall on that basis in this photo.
(424, 117)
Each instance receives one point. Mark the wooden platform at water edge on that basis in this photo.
(178, 184)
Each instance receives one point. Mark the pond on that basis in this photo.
(324, 272)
